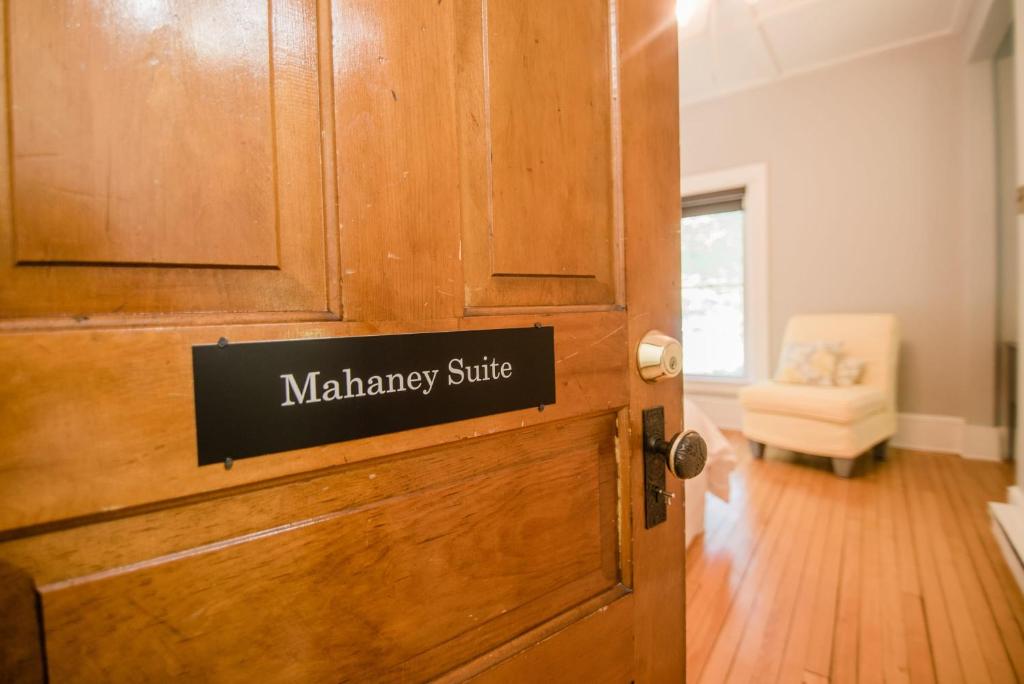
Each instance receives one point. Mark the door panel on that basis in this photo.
(551, 137)
(142, 138)
(540, 167)
(472, 545)
(332, 168)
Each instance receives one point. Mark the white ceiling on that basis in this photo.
(729, 45)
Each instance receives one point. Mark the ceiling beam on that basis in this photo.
(765, 40)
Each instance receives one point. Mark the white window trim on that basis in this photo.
(754, 180)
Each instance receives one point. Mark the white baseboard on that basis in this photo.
(950, 435)
(986, 442)
(944, 434)
(919, 431)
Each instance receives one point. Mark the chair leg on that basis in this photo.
(757, 449)
(879, 451)
(843, 467)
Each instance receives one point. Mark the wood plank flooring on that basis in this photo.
(893, 576)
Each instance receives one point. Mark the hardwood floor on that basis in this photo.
(893, 576)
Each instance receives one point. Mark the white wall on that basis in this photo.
(881, 198)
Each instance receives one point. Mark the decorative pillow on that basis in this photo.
(849, 371)
(809, 363)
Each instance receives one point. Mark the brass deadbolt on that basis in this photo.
(659, 357)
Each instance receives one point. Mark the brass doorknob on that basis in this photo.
(685, 454)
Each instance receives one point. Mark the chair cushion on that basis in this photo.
(833, 404)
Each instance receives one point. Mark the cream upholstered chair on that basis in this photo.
(839, 422)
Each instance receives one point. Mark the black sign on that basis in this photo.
(262, 397)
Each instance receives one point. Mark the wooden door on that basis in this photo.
(178, 171)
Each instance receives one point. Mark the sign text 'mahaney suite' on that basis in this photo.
(315, 389)
(259, 398)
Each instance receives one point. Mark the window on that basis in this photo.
(713, 290)
(724, 269)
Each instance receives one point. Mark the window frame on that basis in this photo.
(753, 178)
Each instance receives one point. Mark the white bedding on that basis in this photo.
(715, 478)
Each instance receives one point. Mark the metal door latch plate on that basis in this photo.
(655, 502)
